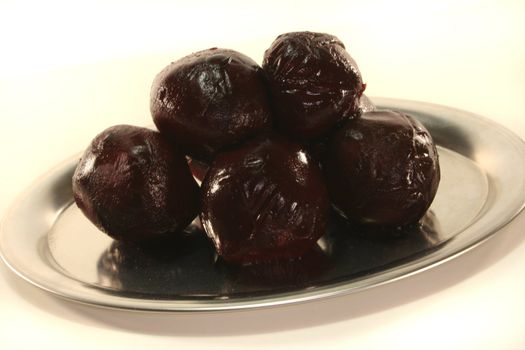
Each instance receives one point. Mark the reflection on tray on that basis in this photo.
(187, 266)
(366, 250)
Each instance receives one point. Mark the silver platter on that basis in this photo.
(48, 242)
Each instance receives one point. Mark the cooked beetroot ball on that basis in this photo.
(382, 169)
(263, 201)
(134, 185)
(319, 147)
(313, 81)
(209, 100)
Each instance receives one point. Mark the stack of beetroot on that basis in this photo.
(276, 149)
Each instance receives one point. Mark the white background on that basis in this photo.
(70, 69)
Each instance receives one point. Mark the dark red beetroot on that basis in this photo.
(382, 169)
(133, 184)
(209, 100)
(319, 147)
(313, 81)
(265, 200)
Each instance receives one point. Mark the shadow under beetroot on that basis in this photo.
(309, 314)
(187, 267)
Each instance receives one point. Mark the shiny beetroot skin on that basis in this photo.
(210, 100)
(133, 185)
(318, 148)
(263, 201)
(313, 81)
(382, 169)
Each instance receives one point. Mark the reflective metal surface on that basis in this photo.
(47, 241)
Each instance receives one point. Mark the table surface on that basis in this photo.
(70, 70)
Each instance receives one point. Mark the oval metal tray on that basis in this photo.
(47, 241)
